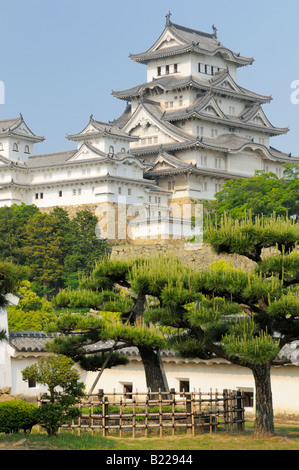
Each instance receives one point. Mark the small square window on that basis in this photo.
(128, 389)
(184, 386)
(31, 383)
(248, 397)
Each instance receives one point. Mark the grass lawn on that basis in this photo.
(287, 438)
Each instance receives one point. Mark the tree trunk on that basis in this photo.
(264, 420)
(138, 309)
(153, 373)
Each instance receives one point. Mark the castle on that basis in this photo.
(184, 132)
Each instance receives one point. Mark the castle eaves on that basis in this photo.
(9, 127)
(170, 82)
(101, 129)
(191, 40)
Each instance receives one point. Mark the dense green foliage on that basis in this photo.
(16, 415)
(10, 279)
(55, 249)
(260, 195)
(32, 313)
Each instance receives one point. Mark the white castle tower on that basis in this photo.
(197, 127)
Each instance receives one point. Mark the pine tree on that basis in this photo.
(245, 318)
(115, 287)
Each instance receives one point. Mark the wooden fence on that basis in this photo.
(160, 413)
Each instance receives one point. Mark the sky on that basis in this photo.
(61, 59)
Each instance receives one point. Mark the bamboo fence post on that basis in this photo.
(146, 415)
(225, 408)
(216, 410)
(230, 410)
(134, 419)
(240, 420)
(188, 411)
(120, 416)
(79, 420)
(160, 413)
(210, 411)
(192, 415)
(92, 418)
(105, 415)
(172, 391)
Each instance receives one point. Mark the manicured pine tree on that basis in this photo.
(108, 281)
(246, 318)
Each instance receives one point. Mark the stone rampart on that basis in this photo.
(198, 256)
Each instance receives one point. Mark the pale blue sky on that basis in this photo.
(60, 59)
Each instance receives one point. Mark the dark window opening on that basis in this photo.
(248, 399)
(184, 386)
(128, 389)
(31, 383)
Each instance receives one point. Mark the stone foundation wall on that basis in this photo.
(108, 216)
(72, 210)
(5, 395)
(197, 256)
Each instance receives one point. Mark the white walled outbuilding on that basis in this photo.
(25, 348)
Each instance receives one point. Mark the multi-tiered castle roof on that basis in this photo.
(185, 131)
(192, 111)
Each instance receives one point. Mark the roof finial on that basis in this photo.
(168, 18)
(215, 30)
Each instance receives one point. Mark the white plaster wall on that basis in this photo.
(5, 365)
(285, 380)
(20, 155)
(183, 62)
(188, 65)
(18, 385)
(215, 61)
(203, 376)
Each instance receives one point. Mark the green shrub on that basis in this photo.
(80, 298)
(16, 415)
(51, 416)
